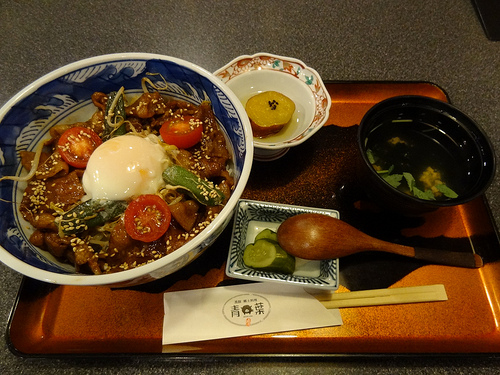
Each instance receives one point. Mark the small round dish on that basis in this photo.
(252, 217)
(248, 75)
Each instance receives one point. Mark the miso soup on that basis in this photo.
(417, 158)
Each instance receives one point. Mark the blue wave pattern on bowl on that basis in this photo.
(26, 123)
(247, 211)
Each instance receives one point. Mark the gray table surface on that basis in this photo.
(353, 40)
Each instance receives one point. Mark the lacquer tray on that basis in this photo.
(65, 320)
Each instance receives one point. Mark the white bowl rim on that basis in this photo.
(291, 142)
(135, 273)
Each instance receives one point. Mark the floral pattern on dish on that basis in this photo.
(287, 65)
(253, 216)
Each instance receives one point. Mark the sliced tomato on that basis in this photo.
(147, 218)
(77, 144)
(182, 131)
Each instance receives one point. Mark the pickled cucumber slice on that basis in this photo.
(268, 234)
(267, 255)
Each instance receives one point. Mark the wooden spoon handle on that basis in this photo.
(449, 258)
(444, 257)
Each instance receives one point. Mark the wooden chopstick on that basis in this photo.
(375, 297)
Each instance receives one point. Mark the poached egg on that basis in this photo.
(123, 167)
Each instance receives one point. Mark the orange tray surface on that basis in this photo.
(49, 319)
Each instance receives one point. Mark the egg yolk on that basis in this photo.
(124, 167)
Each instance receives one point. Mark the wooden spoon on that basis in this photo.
(316, 236)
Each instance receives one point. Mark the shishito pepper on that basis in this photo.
(89, 214)
(114, 117)
(201, 189)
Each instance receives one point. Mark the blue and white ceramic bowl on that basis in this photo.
(63, 96)
(252, 217)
